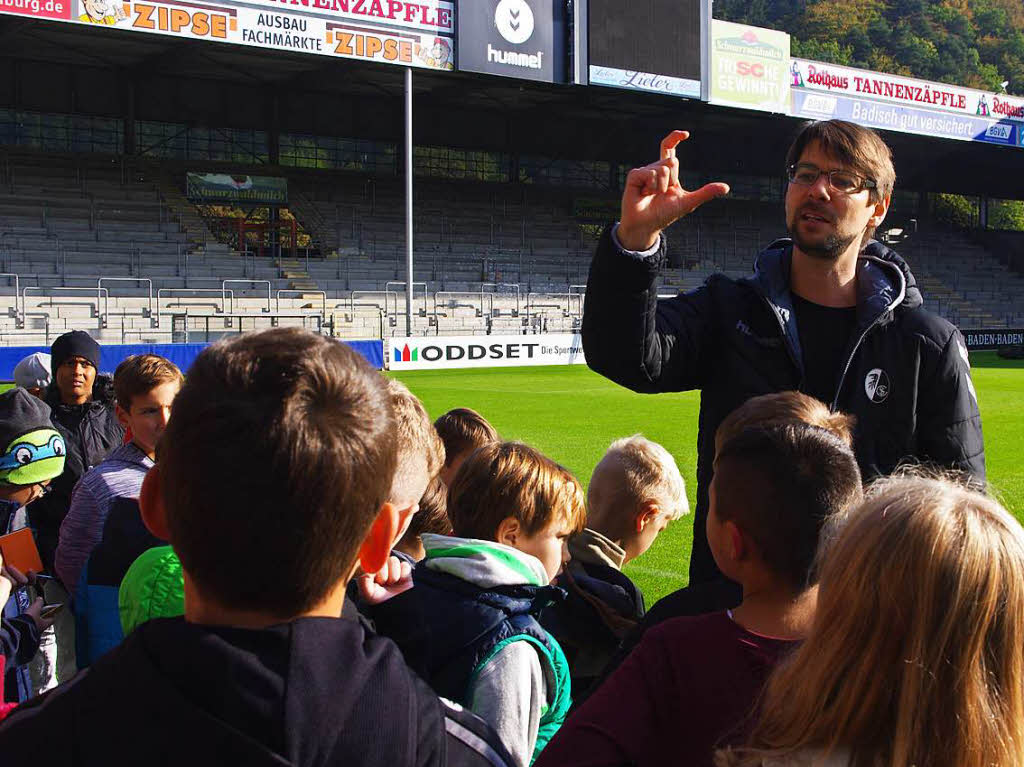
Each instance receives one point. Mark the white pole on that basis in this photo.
(408, 201)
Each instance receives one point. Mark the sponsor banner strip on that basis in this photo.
(421, 36)
(978, 340)
(434, 352)
(906, 91)
(644, 81)
(923, 122)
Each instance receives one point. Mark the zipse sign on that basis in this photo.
(416, 34)
(438, 352)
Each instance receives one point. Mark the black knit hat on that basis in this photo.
(77, 343)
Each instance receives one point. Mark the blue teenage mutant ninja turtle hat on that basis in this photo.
(33, 451)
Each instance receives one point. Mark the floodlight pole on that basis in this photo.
(408, 201)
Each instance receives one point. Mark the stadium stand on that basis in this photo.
(113, 246)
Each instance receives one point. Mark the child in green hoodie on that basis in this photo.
(468, 626)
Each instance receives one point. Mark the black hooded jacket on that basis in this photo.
(314, 692)
(906, 375)
(90, 431)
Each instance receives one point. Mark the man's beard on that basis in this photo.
(829, 249)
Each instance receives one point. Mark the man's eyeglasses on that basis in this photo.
(842, 181)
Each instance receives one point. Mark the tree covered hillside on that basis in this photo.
(977, 43)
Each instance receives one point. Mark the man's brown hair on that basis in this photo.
(859, 148)
(142, 373)
(787, 487)
(784, 407)
(280, 454)
(510, 479)
(463, 430)
(416, 438)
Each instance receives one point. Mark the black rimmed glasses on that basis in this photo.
(842, 181)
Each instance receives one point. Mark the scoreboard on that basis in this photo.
(653, 45)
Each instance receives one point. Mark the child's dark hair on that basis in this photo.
(280, 454)
(432, 516)
(463, 430)
(784, 486)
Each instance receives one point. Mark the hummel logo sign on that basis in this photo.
(514, 21)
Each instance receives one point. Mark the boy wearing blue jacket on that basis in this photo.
(469, 624)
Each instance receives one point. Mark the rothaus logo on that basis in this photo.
(514, 21)
(876, 385)
(451, 352)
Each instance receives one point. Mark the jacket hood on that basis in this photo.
(884, 284)
(883, 276)
(486, 564)
(590, 547)
(153, 587)
(102, 393)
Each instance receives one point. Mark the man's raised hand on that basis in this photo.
(654, 199)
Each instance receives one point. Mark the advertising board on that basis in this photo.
(515, 38)
(749, 67)
(434, 352)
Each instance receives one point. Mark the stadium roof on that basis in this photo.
(67, 68)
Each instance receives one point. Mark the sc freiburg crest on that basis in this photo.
(876, 385)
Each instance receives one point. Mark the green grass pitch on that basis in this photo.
(573, 414)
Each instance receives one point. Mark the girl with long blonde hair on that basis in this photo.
(916, 654)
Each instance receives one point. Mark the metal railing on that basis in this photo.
(225, 283)
(19, 317)
(55, 289)
(224, 294)
(106, 303)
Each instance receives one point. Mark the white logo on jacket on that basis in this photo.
(876, 385)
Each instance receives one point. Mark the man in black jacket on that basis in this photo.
(271, 486)
(830, 312)
(82, 405)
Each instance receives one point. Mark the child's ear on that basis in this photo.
(376, 546)
(122, 415)
(647, 513)
(737, 541)
(151, 505)
(508, 531)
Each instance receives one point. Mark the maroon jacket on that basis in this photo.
(688, 687)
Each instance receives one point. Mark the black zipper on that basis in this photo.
(856, 346)
(785, 338)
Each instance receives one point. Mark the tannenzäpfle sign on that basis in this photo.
(890, 102)
(905, 91)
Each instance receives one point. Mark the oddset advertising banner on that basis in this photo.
(438, 352)
(416, 34)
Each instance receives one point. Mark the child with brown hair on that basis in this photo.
(690, 683)
(103, 533)
(261, 670)
(914, 656)
(468, 625)
(720, 594)
(462, 430)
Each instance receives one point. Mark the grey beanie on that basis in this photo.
(33, 372)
